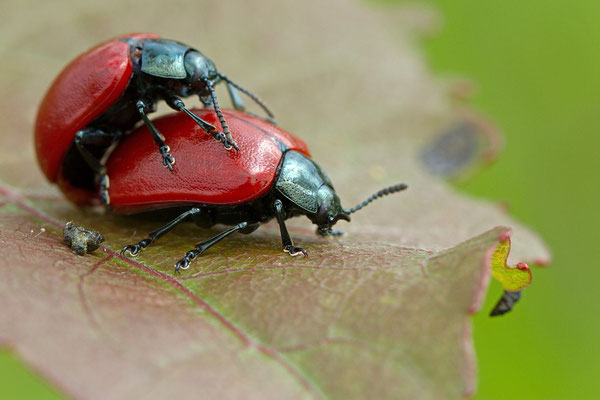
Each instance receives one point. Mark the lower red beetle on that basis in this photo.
(273, 178)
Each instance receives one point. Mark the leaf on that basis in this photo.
(511, 278)
(382, 312)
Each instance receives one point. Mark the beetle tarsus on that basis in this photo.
(295, 250)
(104, 186)
(329, 232)
(132, 249)
(184, 263)
(229, 144)
(168, 159)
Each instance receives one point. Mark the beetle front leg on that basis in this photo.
(329, 232)
(229, 142)
(159, 139)
(286, 240)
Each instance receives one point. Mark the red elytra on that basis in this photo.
(203, 172)
(85, 88)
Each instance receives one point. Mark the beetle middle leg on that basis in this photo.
(159, 139)
(134, 249)
(177, 104)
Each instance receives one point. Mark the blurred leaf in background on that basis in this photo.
(536, 69)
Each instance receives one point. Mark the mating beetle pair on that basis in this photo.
(102, 94)
(274, 178)
(96, 155)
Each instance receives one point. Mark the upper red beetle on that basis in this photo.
(104, 92)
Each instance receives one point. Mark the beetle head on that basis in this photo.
(199, 69)
(330, 209)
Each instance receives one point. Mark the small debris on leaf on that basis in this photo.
(506, 303)
(80, 240)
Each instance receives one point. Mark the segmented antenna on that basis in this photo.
(381, 193)
(224, 125)
(249, 94)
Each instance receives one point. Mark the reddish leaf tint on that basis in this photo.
(382, 312)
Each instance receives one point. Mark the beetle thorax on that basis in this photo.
(310, 190)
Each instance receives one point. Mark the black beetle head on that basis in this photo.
(199, 69)
(330, 209)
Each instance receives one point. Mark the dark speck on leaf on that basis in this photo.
(80, 240)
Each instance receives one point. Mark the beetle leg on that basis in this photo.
(288, 245)
(228, 142)
(134, 249)
(329, 232)
(177, 104)
(201, 247)
(97, 137)
(159, 139)
(104, 186)
(237, 101)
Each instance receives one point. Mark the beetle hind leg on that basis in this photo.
(184, 263)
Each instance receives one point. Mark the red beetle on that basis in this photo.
(273, 178)
(104, 92)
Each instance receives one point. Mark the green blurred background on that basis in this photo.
(537, 70)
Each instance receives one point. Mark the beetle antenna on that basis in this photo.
(249, 94)
(224, 125)
(381, 193)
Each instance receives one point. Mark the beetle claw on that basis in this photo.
(295, 251)
(228, 144)
(184, 263)
(132, 249)
(168, 159)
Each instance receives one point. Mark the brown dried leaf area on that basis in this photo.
(382, 312)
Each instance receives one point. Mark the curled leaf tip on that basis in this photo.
(512, 278)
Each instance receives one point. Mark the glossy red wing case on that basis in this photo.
(204, 172)
(86, 88)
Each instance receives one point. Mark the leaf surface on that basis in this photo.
(381, 312)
